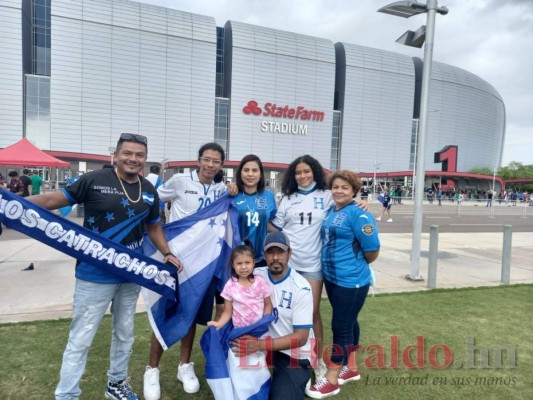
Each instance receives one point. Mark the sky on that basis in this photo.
(489, 38)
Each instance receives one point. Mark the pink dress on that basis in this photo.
(248, 302)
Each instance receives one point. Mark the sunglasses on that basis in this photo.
(132, 137)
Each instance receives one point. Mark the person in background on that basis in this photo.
(154, 177)
(15, 185)
(364, 193)
(350, 243)
(386, 205)
(490, 195)
(26, 181)
(36, 182)
(440, 193)
(105, 193)
(429, 195)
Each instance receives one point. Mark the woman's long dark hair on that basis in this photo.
(246, 159)
(289, 185)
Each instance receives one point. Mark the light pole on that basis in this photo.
(493, 180)
(407, 9)
(416, 122)
(376, 167)
(164, 166)
(112, 151)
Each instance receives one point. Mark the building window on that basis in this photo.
(37, 110)
(222, 123)
(41, 22)
(335, 141)
(219, 89)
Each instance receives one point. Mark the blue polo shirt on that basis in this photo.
(346, 235)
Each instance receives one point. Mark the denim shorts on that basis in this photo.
(316, 275)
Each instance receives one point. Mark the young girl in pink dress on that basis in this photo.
(246, 296)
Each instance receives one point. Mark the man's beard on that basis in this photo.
(276, 271)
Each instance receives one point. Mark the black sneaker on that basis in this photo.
(120, 391)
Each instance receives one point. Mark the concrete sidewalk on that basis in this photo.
(465, 259)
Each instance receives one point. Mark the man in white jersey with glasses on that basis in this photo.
(188, 193)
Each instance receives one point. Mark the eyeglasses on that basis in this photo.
(207, 160)
(132, 137)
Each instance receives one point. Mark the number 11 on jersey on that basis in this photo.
(309, 215)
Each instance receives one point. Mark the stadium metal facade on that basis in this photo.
(75, 74)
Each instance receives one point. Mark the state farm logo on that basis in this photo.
(252, 108)
(286, 111)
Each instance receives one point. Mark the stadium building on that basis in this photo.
(75, 74)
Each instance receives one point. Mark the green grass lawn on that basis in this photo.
(450, 325)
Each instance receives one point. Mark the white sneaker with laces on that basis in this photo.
(187, 376)
(378, 219)
(389, 220)
(151, 388)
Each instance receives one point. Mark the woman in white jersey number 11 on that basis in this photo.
(300, 214)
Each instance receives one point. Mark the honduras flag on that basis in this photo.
(203, 242)
(231, 377)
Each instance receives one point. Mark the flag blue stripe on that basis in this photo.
(173, 322)
(215, 346)
(262, 393)
(53, 230)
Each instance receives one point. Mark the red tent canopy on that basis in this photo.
(25, 154)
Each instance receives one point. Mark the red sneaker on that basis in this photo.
(322, 389)
(347, 375)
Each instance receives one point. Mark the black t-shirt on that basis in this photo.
(26, 181)
(109, 212)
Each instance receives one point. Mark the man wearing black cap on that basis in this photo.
(290, 334)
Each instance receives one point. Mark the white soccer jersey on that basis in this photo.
(188, 195)
(300, 216)
(292, 303)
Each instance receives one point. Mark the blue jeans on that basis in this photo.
(346, 304)
(90, 304)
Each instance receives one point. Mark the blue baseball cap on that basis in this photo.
(277, 239)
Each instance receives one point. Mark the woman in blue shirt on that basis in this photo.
(350, 243)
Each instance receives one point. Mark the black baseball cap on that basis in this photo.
(277, 239)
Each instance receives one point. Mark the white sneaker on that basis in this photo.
(378, 219)
(389, 220)
(320, 371)
(187, 376)
(151, 388)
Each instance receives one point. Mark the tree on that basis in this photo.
(517, 170)
(481, 171)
